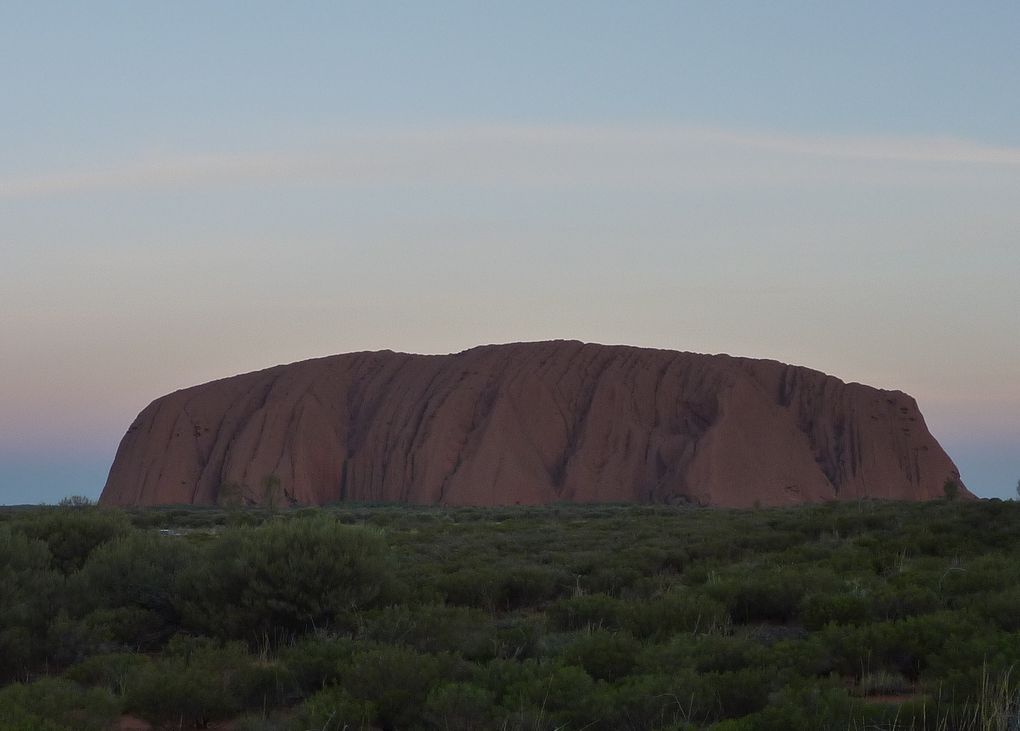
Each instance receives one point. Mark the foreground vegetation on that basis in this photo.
(848, 616)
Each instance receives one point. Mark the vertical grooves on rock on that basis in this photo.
(538, 422)
(579, 427)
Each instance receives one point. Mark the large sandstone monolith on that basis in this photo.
(530, 423)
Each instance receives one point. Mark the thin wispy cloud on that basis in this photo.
(152, 172)
(938, 150)
(934, 150)
(555, 155)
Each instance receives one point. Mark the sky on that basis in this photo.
(192, 190)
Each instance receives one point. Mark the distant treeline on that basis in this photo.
(839, 616)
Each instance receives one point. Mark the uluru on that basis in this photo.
(531, 423)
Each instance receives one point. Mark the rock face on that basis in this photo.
(530, 423)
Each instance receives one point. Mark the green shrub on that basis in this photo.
(807, 658)
(197, 682)
(999, 608)
(434, 628)
(613, 577)
(460, 707)
(112, 672)
(904, 600)
(604, 655)
(135, 570)
(73, 533)
(883, 682)
(333, 709)
(704, 653)
(284, 578)
(316, 662)
(818, 610)
(564, 694)
(519, 636)
(70, 640)
(644, 702)
(818, 708)
(502, 589)
(595, 611)
(127, 627)
(396, 680)
(674, 612)
(509, 680)
(31, 592)
(529, 586)
(765, 596)
(53, 704)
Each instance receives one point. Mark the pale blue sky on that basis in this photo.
(192, 190)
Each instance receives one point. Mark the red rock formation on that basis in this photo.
(531, 423)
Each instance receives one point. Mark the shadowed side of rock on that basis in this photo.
(527, 424)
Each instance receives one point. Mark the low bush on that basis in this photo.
(604, 655)
(333, 709)
(284, 579)
(72, 534)
(54, 704)
(460, 707)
